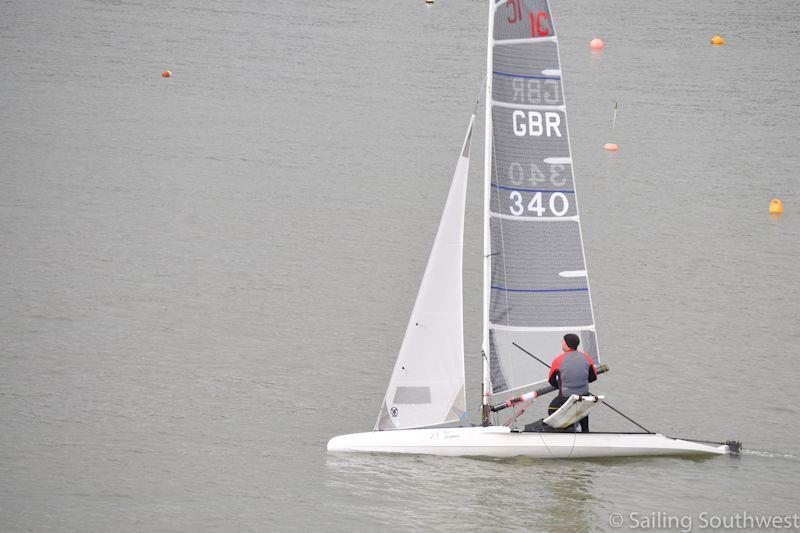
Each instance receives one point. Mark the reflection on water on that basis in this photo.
(527, 494)
(568, 497)
(521, 493)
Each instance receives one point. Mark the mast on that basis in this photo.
(486, 384)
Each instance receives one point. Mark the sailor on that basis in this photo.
(571, 372)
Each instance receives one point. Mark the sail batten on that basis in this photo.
(427, 385)
(534, 219)
(526, 40)
(565, 329)
(536, 282)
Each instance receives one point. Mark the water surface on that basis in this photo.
(206, 277)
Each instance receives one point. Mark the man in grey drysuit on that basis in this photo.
(571, 372)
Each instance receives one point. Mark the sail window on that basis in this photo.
(412, 395)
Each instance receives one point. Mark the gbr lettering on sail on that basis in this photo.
(536, 123)
(534, 190)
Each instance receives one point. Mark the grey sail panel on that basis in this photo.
(527, 76)
(529, 285)
(538, 287)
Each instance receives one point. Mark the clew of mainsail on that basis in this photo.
(536, 287)
(427, 384)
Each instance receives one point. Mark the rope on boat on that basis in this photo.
(626, 417)
(734, 446)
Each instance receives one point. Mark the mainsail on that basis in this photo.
(427, 385)
(535, 283)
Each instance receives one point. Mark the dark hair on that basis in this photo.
(572, 340)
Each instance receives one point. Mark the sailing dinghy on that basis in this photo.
(536, 287)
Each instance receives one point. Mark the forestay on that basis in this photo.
(536, 286)
(427, 385)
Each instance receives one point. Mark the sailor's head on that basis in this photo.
(570, 342)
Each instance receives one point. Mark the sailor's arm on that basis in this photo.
(592, 369)
(553, 376)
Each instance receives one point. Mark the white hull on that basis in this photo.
(499, 441)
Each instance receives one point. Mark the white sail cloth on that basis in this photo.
(427, 385)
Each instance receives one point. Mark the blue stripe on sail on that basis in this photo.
(509, 75)
(496, 186)
(539, 290)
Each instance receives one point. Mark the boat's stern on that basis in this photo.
(734, 447)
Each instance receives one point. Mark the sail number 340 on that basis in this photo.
(558, 204)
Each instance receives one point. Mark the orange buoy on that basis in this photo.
(166, 74)
(717, 40)
(611, 147)
(596, 44)
(775, 207)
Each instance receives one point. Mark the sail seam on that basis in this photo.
(553, 39)
(540, 107)
(526, 76)
(505, 188)
(573, 218)
(497, 288)
(541, 328)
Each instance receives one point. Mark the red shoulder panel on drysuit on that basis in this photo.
(556, 364)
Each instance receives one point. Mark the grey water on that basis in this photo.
(205, 277)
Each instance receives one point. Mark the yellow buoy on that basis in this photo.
(775, 207)
(611, 147)
(717, 40)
